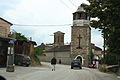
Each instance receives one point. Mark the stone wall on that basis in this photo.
(4, 28)
(85, 34)
(65, 57)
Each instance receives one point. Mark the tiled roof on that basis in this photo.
(6, 21)
(22, 40)
(60, 48)
(95, 47)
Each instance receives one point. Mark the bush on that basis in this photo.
(103, 68)
(110, 59)
(114, 68)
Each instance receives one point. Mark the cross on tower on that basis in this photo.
(79, 38)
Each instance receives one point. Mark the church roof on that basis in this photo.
(60, 49)
(80, 9)
(95, 47)
(59, 32)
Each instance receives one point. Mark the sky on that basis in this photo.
(52, 13)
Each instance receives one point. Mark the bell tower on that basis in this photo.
(59, 38)
(80, 35)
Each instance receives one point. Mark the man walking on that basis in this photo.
(53, 62)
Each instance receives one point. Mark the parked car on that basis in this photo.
(23, 60)
(76, 63)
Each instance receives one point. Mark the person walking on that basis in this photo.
(53, 62)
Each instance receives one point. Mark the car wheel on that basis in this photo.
(80, 67)
(27, 65)
(19, 64)
(71, 67)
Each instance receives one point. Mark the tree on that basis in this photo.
(20, 36)
(108, 14)
(38, 52)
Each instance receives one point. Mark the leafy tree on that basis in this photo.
(20, 36)
(108, 14)
(110, 59)
(38, 52)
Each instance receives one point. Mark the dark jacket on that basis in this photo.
(53, 61)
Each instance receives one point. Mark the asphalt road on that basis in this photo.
(62, 72)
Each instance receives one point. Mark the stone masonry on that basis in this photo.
(80, 36)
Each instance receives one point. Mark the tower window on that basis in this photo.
(74, 16)
(79, 16)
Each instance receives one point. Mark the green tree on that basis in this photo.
(20, 36)
(108, 14)
(38, 52)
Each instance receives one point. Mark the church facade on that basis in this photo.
(80, 45)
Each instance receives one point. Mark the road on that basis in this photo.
(62, 72)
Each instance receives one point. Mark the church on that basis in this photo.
(80, 45)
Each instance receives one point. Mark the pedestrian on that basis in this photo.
(97, 64)
(59, 61)
(53, 62)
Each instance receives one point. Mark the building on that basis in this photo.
(80, 45)
(59, 38)
(24, 47)
(4, 27)
(4, 40)
(20, 46)
(81, 36)
(96, 51)
(57, 49)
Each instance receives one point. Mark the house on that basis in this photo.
(20, 46)
(24, 47)
(4, 40)
(96, 51)
(4, 27)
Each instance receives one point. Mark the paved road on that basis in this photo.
(63, 72)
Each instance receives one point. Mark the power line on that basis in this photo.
(41, 25)
(65, 4)
(73, 4)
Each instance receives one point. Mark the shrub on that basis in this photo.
(110, 59)
(103, 68)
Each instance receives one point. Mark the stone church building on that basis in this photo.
(80, 41)
(81, 35)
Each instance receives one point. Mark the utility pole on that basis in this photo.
(53, 46)
(10, 56)
(104, 46)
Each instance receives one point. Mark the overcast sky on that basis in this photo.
(43, 12)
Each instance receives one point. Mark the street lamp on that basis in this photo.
(53, 46)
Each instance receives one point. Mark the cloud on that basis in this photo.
(6, 5)
(97, 38)
(45, 12)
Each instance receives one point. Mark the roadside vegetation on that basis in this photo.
(105, 16)
(35, 60)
